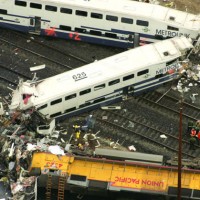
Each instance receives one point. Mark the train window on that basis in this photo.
(65, 28)
(96, 15)
(159, 37)
(172, 28)
(81, 13)
(99, 87)
(3, 12)
(80, 30)
(142, 23)
(36, 5)
(71, 96)
(78, 177)
(85, 91)
(70, 109)
(125, 78)
(56, 101)
(43, 127)
(51, 8)
(42, 107)
(92, 32)
(171, 18)
(196, 193)
(111, 18)
(99, 100)
(20, 3)
(111, 35)
(66, 10)
(56, 114)
(126, 20)
(143, 72)
(114, 82)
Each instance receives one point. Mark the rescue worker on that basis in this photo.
(90, 122)
(198, 136)
(75, 135)
(80, 147)
(198, 124)
(192, 143)
(190, 126)
(193, 132)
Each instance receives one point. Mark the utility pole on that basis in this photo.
(180, 148)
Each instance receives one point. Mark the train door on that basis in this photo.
(35, 25)
(128, 90)
(135, 39)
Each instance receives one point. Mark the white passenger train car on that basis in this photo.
(121, 23)
(103, 82)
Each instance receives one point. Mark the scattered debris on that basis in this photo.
(23, 133)
(115, 145)
(163, 136)
(111, 107)
(132, 148)
(193, 98)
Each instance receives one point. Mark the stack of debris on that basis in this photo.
(190, 77)
(24, 132)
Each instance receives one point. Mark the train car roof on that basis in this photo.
(126, 155)
(140, 9)
(121, 64)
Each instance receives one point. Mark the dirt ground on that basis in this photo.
(192, 6)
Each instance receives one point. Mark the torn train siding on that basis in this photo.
(24, 95)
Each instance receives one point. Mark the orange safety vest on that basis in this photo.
(198, 135)
(193, 132)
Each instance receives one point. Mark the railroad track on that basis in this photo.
(161, 117)
(11, 76)
(124, 126)
(47, 54)
(9, 79)
(171, 105)
(56, 49)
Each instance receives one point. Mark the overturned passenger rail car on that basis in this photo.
(104, 82)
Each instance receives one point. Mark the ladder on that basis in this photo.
(48, 187)
(61, 187)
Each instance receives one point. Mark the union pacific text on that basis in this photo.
(139, 181)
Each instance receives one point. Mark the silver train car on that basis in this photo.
(103, 82)
(129, 156)
(120, 23)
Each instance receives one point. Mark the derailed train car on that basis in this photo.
(105, 176)
(121, 23)
(103, 82)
